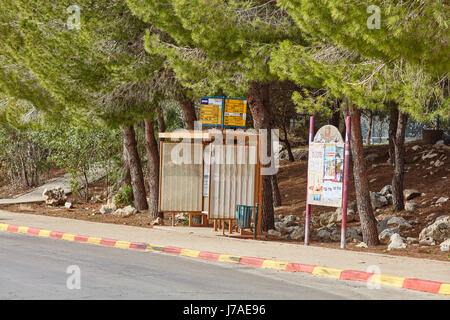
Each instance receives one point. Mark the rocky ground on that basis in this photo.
(420, 231)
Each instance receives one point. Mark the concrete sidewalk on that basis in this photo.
(205, 239)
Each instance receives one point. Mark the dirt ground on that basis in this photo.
(420, 175)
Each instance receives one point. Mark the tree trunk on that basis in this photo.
(153, 167)
(368, 221)
(369, 130)
(275, 192)
(334, 121)
(126, 179)
(399, 151)
(161, 123)
(288, 145)
(188, 109)
(393, 120)
(259, 103)
(134, 163)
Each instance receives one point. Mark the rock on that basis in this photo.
(180, 218)
(371, 157)
(386, 234)
(377, 200)
(54, 196)
(68, 205)
(441, 200)
(411, 193)
(324, 218)
(396, 242)
(337, 215)
(158, 221)
(386, 190)
(439, 230)
(445, 246)
(324, 234)
(411, 207)
(274, 233)
(108, 208)
(411, 240)
(352, 234)
(439, 163)
(428, 241)
(389, 198)
(290, 220)
(281, 227)
(298, 233)
(300, 154)
(125, 212)
(398, 222)
(362, 245)
(429, 155)
(439, 143)
(416, 147)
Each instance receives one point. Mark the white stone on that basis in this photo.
(386, 234)
(411, 206)
(445, 246)
(442, 200)
(396, 242)
(439, 230)
(362, 245)
(274, 233)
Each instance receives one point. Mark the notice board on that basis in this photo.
(326, 168)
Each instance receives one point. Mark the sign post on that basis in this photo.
(308, 206)
(328, 164)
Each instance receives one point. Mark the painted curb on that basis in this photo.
(321, 271)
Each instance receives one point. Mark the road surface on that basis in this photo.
(35, 268)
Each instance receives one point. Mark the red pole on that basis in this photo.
(345, 188)
(308, 206)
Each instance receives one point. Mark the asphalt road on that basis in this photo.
(35, 268)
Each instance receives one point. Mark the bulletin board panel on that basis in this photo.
(232, 179)
(181, 184)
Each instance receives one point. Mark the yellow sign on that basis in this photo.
(235, 112)
(211, 111)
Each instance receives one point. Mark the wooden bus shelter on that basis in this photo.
(208, 173)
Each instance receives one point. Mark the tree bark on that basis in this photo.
(259, 103)
(275, 191)
(393, 121)
(288, 145)
(188, 109)
(399, 150)
(161, 123)
(334, 121)
(368, 221)
(134, 163)
(151, 146)
(369, 130)
(126, 179)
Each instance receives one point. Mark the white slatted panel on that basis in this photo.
(181, 184)
(233, 179)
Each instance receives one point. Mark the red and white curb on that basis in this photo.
(341, 274)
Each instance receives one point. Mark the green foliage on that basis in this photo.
(123, 197)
